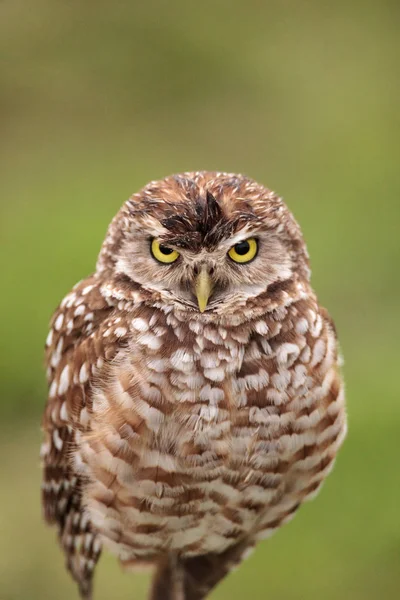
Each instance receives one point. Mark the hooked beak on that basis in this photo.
(203, 288)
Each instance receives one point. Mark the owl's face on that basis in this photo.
(206, 243)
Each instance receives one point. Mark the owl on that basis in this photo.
(195, 397)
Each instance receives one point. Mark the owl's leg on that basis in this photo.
(169, 580)
(194, 578)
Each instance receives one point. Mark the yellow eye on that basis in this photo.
(244, 252)
(162, 253)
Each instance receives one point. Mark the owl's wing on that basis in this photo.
(76, 351)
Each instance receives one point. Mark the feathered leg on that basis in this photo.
(194, 578)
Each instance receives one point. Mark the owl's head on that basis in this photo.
(205, 242)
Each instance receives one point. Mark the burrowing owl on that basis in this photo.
(194, 394)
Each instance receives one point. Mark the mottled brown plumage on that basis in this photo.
(177, 437)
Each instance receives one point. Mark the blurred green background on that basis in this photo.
(96, 99)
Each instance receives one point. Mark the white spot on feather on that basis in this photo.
(49, 339)
(317, 324)
(261, 327)
(79, 310)
(208, 413)
(53, 389)
(140, 324)
(306, 355)
(182, 360)
(55, 485)
(154, 458)
(302, 326)
(287, 354)
(88, 541)
(150, 340)
(209, 360)
(158, 365)
(58, 322)
(57, 440)
(84, 521)
(217, 374)
(87, 289)
(276, 397)
(318, 352)
(63, 412)
(300, 374)
(247, 553)
(100, 403)
(83, 374)
(258, 381)
(56, 356)
(120, 331)
(44, 449)
(264, 534)
(213, 395)
(64, 381)
(84, 417)
(70, 299)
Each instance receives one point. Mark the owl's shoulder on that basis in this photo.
(86, 332)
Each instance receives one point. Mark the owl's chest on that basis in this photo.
(172, 442)
(188, 402)
(194, 380)
(189, 434)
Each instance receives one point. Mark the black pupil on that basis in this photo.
(165, 250)
(242, 248)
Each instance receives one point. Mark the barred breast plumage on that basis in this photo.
(179, 436)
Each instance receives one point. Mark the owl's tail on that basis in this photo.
(193, 578)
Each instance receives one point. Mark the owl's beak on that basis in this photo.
(203, 287)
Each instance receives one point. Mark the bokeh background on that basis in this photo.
(99, 97)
